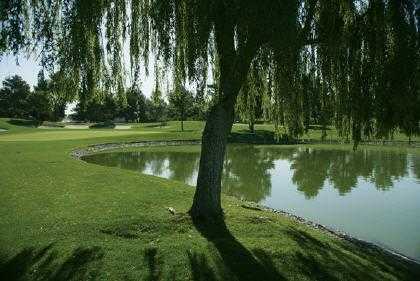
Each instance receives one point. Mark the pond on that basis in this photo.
(372, 193)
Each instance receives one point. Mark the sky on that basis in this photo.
(27, 68)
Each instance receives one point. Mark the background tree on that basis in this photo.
(42, 84)
(39, 106)
(200, 105)
(158, 106)
(100, 108)
(136, 106)
(180, 103)
(39, 101)
(14, 98)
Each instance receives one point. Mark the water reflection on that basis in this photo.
(240, 175)
(343, 168)
(416, 166)
(248, 170)
(174, 165)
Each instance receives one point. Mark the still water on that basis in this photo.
(373, 193)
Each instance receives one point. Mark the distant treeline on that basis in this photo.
(49, 98)
(134, 106)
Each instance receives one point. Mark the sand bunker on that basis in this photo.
(122, 127)
(77, 127)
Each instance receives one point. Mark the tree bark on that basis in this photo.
(207, 202)
(182, 118)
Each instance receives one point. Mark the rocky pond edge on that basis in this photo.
(79, 153)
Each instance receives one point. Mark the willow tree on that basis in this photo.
(356, 44)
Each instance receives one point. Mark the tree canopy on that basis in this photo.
(364, 53)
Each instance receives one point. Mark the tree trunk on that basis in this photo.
(182, 118)
(233, 66)
(251, 126)
(207, 202)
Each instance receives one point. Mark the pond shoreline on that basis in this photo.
(96, 148)
(261, 139)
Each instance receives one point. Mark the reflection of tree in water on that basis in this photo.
(415, 166)
(183, 165)
(310, 168)
(180, 166)
(247, 172)
(247, 169)
(343, 168)
(388, 167)
(130, 161)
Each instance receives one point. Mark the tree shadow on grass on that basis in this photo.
(227, 260)
(155, 125)
(238, 261)
(44, 264)
(154, 263)
(344, 260)
(200, 268)
(314, 259)
(203, 270)
(257, 137)
(306, 257)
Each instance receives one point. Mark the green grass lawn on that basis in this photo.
(70, 135)
(64, 219)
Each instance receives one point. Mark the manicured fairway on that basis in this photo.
(64, 219)
(58, 135)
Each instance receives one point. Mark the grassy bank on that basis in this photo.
(63, 219)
